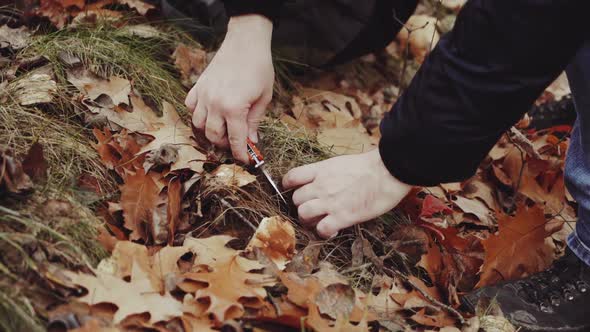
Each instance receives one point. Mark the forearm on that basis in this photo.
(477, 82)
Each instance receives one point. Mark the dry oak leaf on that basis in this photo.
(383, 304)
(171, 130)
(141, 7)
(225, 280)
(333, 101)
(275, 236)
(436, 319)
(135, 297)
(117, 89)
(232, 175)
(58, 11)
(519, 248)
(139, 198)
(352, 140)
(34, 163)
(157, 266)
(15, 39)
(191, 63)
(420, 32)
(477, 208)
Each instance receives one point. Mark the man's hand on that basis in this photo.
(230, 98)
(344, 191)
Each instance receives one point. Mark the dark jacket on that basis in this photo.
(478, 81)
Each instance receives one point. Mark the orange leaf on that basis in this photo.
(174, 207)
(519, 248)
(139, 195)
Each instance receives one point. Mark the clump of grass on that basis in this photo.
(286, 148)
(66, 143)
(110, 50)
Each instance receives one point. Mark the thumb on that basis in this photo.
(256, 114)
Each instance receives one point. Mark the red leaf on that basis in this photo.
(432, 205)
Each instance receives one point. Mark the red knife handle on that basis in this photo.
(254, 154)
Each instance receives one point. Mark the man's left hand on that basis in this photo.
(344, 191)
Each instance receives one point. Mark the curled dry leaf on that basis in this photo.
(420, 33)
(141, 6)
(232, 175)
(13, 178)
(35, 88)
(15, 39)
(508, 253)
(275, 236)
(477, 208)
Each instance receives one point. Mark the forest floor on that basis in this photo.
(116, 215)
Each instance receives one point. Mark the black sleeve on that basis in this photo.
(268, 8)
(477, 82)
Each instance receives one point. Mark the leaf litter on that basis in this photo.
(170, 269)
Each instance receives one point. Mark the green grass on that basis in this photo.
(108, 50)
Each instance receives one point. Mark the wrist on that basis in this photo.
(375, 156)
(253, 25)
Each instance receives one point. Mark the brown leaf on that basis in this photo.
(139, 197)
(12, 176)
(191, 62)
(134, 297)
(171, 130)
(275, 236)
(15, 39)
(438, 319)
(116, 89)
(232, 175)
(422, 36)
(347, 140)
(336, 300)
(508, 254)
(34, 163)
(477, 208)
(224, 267)
(305, 261)
(141, 6)
(174, 207)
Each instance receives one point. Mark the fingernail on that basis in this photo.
(254, 137)
(333, 236)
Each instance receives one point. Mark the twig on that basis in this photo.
(436, 303)
(234, 210)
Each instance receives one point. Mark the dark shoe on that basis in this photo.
(553, 113)
(553, 300)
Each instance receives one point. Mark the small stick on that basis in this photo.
(234, 210)
(432, 300)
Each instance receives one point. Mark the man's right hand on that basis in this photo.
(230, 98)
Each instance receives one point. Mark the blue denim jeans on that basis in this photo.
(577, 166)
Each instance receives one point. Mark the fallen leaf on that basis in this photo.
(141, 6)
(117, 89)
(139, 197)
(477, 208)
(171, 130)
(275, 236)
(432, 206)
(343, 141)
(518, 249)
(420, 34)
(134, 297)
(174, 207)
(12, 176)
(212, 285)
(336, 300)
(232, 175)
(34, 164)
(15, 39)
(34, 89)
(190, 62)
(438, 319)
